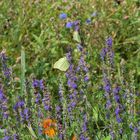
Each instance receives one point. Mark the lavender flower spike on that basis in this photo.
(109, 42)
(5, 69)
(3, 105)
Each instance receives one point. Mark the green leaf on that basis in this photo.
(31, 131)
(76, 36)
(107, 138)
(95, 113)
(1, 130)
(38, 40)
(23, 70)
(62, 64)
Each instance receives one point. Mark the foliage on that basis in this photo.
(73, 62)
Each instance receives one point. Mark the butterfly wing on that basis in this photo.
(76, 36)
(62, 64)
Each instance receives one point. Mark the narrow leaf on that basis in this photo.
(23, 88)
(31, 131)
(107, 138)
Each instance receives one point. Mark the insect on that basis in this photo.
(62, 64)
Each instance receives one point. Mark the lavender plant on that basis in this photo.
(96, 96)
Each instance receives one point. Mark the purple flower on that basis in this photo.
(27, 114)
(119, 120)
(94, 14)
(86, 78)
(16, 137)
(108, 52)
(117, 98)
(73, 104)
(72, 84)
(88, 21)
(79, 47)
(109, 42)
(116, 90)
(112, 135)
(117, 111)
(69, 25)
(61, 136)
(5, 69)
(69, 109)
(35, 83)
(46, 107)
(69, 58)
(2, 96)
(38, 99)
(61, 132)
(84, 128)
(21, 104)
(82, 65)
(111, 57)
(40, 114)
(77, 22)
(59, 114)
(103, 53)
(7, 138)
(22, 116)
(82, 137)
(107, 87)
(119, 107)
(63, 16)
(3, 104)
(131, 126)
(76, 25)
(108, 115)
(71, 96)
(138, 94)
(15, 107)
(46, 101)
(108, 104)
(19, 110)
(58, 108)
(70, 74)
(41, 85)
(7, 73)
(135, 130)
(38, 84)
(5, 115)
(75, 93)
(85, 69)
(40, 131)
(60, 93)
(121, 131)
